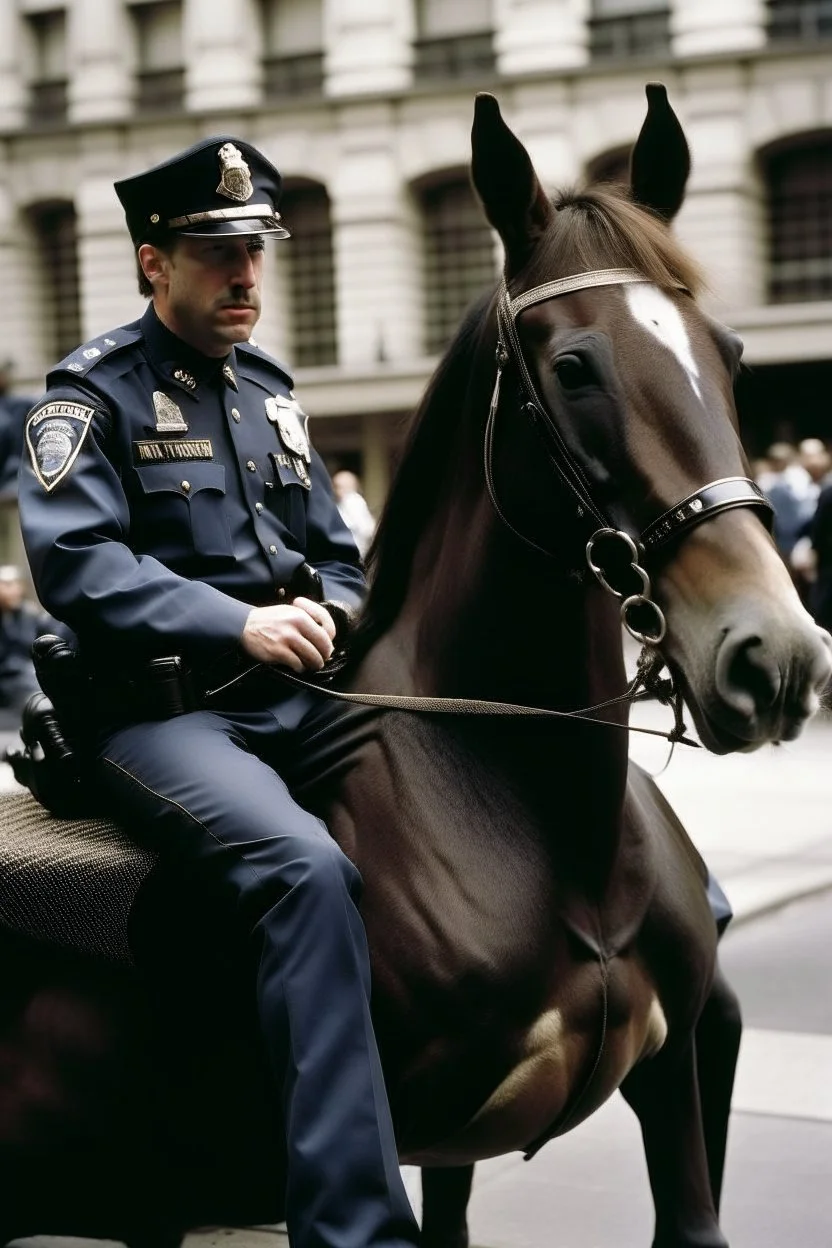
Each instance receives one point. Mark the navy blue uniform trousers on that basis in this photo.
(205, 789)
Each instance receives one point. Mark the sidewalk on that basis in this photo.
(762, 821)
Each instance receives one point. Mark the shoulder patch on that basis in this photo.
(87, 357)
(250, 353)
(55, 433)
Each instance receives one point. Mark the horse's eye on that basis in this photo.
(572, 372)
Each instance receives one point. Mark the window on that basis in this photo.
(455, 40)
(293, 60)
(799, 19)
(800, 222)
(626, 28)
(310, 275)
(55, 229)
(160, 76)
(48, 68)
(460, 259)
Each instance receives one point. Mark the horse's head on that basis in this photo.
(630, 385)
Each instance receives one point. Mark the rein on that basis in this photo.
(645, 684)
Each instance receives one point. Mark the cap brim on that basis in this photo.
(245, 225)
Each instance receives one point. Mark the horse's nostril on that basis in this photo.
(747, 676)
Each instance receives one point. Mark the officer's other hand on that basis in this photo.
(298, 636)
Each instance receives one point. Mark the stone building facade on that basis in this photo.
(366, 106)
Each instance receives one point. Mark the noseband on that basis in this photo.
(708, 501)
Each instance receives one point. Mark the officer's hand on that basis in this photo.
(298, 636)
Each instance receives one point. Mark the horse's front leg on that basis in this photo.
(445, 1194)
(664, 1093)
(718, 1035)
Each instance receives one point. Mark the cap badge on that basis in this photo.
(235, 176)
(169, 419)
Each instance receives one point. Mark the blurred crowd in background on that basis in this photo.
(797, 480)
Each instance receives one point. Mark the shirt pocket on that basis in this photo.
(287, 500)
(182, 511)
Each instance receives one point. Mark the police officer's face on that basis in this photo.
(208, 290)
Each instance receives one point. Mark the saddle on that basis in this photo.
(68, 882)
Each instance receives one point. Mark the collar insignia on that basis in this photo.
(235, 176)
(169, 419)
(228, 374)
(187, 379)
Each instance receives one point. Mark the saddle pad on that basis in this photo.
(68, 882)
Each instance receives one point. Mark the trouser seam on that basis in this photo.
(170, 801)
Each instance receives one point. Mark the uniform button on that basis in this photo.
(258, 507)
(272, 550)
(281, 593)
(235, 415)
(186, 485)
(252, 467)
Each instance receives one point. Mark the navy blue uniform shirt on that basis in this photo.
(163, 493)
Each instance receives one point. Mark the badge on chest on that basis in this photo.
(292, 460)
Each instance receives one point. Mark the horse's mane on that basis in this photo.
(597, 228)
(603, 228)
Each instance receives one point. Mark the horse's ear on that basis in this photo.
(660, 163)
(504, 178)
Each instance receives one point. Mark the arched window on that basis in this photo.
(57, 244)
(460, 260)
(799, 180)
(310, 275)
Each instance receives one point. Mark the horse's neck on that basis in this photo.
(484, 618)
(495, 624)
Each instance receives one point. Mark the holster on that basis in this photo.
(52, 762)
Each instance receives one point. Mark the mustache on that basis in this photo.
(232, 301)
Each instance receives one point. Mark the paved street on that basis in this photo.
(763, 822)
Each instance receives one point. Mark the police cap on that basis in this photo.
(219, 186)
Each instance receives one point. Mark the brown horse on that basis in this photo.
(538, 920)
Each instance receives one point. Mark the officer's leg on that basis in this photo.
(192, 788)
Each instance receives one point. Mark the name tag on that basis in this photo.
(291, 469)
(170, 452)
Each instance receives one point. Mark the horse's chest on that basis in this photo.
(563, 1065)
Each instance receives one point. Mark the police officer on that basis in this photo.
(177, 520)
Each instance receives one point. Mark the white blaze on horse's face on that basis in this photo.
(658, 314)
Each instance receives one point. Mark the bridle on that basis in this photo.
(708, 501)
